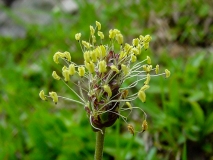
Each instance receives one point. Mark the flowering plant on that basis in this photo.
(101, 77)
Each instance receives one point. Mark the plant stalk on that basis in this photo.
(99, 145)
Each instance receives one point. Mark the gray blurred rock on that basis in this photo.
(25, 12)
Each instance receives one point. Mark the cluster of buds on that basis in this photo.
(101, 92)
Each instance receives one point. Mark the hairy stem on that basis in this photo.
(99, 144)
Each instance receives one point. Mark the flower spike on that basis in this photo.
(106, 76)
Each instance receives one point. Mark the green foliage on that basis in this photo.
(179, 108)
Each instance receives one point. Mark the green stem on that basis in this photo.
(99, 144)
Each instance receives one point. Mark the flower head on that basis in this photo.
(101, 77)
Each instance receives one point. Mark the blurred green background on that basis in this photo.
(180, 109)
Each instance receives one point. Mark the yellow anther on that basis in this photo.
(102, 66)
(100, 34)
(131, 129)
(147, 38)
(98, 24)
(144, 67)
(112, 34)
(81, 71)
(146, 45)
(86, 44)
(139, 49)
(102, 51)
(42, 96)
(114, 68)
(141, 38)
(56, 56)
(117, 31)
(93, 39)
(125, 69)
(87, 56)
(90, 66)
(78, 36)
(167, 72)
(122, 55)
(94, 55)
(145, 87)
(54, 96)
(148, 60)
(92, 30)
(149, 68)
(135, 42)
(148, 77)
(135, 51)
(127, 48)
(64, 68)
(129, 105)
(157, 69)
(55, 76)
(71, 69)
(119, 38)
(144, 125)
(67, 56)
(108, 90)
(142, 96)
(66, 75)
(133, 58)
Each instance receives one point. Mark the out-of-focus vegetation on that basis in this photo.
(179, 108)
